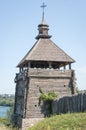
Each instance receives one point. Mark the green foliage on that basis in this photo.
(4, 125)
(76, 121)
(47, 97)
(6, 101)
(3, 121)
(47, 100)
(40, 90)
(7, 122)
(9, 115)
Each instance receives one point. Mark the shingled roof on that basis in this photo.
(44, 49)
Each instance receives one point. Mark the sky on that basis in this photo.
(18, 28)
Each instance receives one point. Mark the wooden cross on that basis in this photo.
(43, 6)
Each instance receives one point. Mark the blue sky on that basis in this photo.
(18, 28)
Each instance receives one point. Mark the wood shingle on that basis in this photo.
(46, 50)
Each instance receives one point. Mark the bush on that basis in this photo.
(47, 97)
(47, 100)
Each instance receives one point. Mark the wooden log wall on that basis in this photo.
(70, 104)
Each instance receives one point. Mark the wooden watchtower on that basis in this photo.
(45, 66)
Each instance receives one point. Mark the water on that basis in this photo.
(3, 111)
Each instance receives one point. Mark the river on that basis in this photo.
(3, 110)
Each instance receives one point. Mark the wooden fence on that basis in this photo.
(71, 104)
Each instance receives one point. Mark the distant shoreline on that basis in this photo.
(5, 105)
(7, 100)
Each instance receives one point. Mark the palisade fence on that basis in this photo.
(76, 103)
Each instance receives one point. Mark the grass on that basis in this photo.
(76, 121)
(4, 125)
(3, 128)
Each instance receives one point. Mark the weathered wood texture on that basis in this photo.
(70, 104)
(45, 50)
(49, 80)
(27, 90)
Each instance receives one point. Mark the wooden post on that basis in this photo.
(50, 65)
(29, 65)
(19, 70)
(70, 66)
(22, 69)
(64, 67)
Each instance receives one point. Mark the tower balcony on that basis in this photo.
(51, 73)
(46, 73)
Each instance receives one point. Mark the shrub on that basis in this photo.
(47, 100)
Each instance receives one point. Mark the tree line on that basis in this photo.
(6, 100)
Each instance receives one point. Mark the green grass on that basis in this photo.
(4, 125)
(75, 121)
(3, 121)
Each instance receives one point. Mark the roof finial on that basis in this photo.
(43, 6)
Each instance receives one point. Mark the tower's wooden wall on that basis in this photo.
(27, 90)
